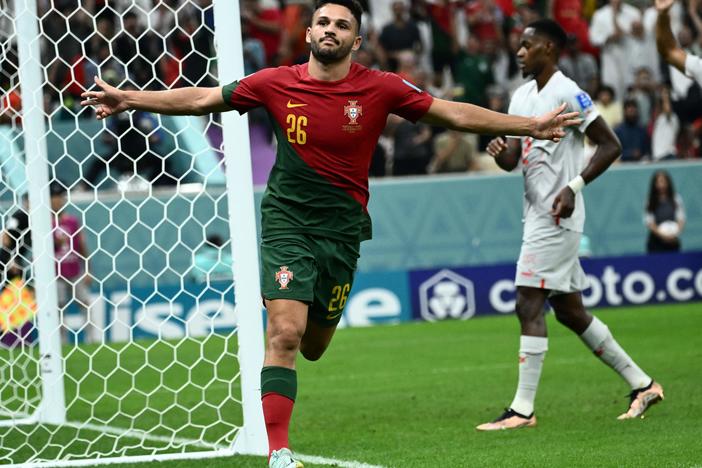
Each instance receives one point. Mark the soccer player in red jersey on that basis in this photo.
(327, 115)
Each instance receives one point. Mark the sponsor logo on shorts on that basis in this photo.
(284, 277)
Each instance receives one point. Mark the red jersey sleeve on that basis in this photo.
(406, 100)
(249, 92)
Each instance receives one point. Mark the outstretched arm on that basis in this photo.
(667, 45)
(470, 118)
(180, 101)
(608, 150)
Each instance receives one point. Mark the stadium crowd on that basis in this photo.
(462, 50)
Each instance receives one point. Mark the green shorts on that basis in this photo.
(315, 270)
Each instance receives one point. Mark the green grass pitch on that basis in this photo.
(410, 396)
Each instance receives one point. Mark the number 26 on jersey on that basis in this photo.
(296, 128)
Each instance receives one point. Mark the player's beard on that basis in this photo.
(329, 55)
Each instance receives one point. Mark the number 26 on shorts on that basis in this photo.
(339, 296)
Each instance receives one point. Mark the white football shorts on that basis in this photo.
(549, 260)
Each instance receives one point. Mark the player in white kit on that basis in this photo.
(668, 47)
(554, 215)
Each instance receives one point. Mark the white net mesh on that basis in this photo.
(140, 229)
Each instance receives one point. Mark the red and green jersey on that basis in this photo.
(327, 133)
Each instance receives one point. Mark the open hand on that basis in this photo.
(664, 5)
(550, 125)
(563, 204)
(109, 101)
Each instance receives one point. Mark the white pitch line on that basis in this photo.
(139, 434)
(218, 450)
(334, 462)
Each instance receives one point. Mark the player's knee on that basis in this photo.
(284, 337)
(528, 311)
(312, 353)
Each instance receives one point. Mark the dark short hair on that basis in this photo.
(607, 89)
(354, 7)
(552, 30)
(57, 189)
(631, 102)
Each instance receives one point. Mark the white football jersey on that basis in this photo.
(693, 68)
(548, 166)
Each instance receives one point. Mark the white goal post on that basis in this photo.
(143, 355)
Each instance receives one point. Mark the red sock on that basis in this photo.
(277, 410)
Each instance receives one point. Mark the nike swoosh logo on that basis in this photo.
(292, 106)
(333, 316)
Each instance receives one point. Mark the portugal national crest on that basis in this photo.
(353, 111)
(283, 277)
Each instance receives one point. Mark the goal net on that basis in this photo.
(130, 324)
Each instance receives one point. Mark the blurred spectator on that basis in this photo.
(453, 152)
(689, 142)
(665, 215)
(642, 52)
(16, 253)
(138, 51)
(484, 19)
(665, 130)
(254, 55)
(10, 103)
(632, 135)
(578, 65)
(132, 140)
(643, 91)
(365, 58)
(297, 16)
(526, 12)
(441, 15)
(608, 106)
(611, 31)
(498, 101)
(569, 14)
(412, 146)
(100, 61)
(73, 279)
(402, 34)
(411, 143)
(473, 73)
(162, 16)
(213, 262)
(264, 24)
(192, 45)
(67, 28)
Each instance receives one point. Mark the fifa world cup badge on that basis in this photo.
(283, 277)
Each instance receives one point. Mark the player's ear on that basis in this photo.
(308, 39)
(357, 43)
